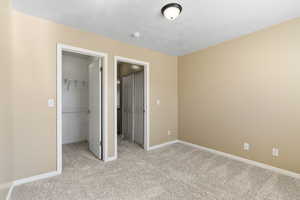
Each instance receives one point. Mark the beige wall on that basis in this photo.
(6, 136)
(245, 90)
(34, 81)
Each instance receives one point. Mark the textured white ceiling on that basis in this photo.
(202, 23)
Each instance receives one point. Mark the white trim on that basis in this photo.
(163, 145)
(35, 178)
(115, 87)
(29, 180)
(105, 106)
(111, 158)
(251, 162)
(59, 109)
(8, 196)
(7, 186)
(60, 49)
(147, 100)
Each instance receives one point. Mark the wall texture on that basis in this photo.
(245, 90)
(34, 81)
(6, 137)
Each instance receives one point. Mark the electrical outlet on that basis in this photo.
(275, 152)
(246, 146)
(169, 132)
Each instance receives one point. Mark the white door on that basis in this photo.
(127, 107)
(95, 108)
(139, 108)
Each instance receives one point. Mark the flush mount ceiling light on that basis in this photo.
(171, 11)
(136, 34)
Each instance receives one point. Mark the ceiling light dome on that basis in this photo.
(136, 34)
(171, 11)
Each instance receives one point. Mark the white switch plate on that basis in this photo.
(51, 103)
(157, 101)
(275, 152)
(246, 146)
(169, 132)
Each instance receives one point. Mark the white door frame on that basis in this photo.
(146, 99)
(60, 49)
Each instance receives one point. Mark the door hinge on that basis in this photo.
(101, 69)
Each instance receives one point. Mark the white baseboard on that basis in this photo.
(35, 178)
(251, 162)
(150, 148)
(30, 179)
(162, 145)
(9, 192)
(111, 158)
(7, 187)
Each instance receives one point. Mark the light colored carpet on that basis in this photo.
(170, 173)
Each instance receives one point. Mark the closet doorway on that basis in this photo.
(81, 105)
(131, 103)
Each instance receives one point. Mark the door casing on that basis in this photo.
(103, 56)
(146, 66)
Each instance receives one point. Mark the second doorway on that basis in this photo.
(131, 105)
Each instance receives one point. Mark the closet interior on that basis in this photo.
(81, 103)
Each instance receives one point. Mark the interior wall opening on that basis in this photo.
(130, 107)
(81, 108)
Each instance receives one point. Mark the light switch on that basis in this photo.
(157, 101)
(275, 152)
(246, 146)
(51, 103)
